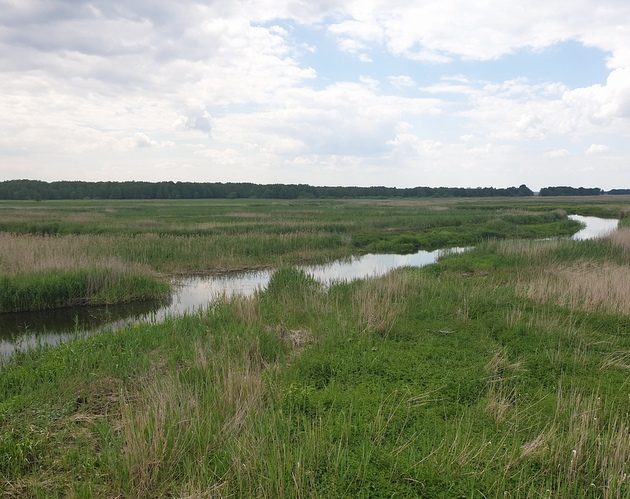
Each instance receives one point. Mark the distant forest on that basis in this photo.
(36, 190)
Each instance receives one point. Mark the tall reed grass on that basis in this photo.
(582, 286)
(379, 303)
(40, 272)
(621, 238)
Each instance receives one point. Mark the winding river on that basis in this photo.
(21, 331)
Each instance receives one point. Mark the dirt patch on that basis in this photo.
(297, 339)
(98, 398)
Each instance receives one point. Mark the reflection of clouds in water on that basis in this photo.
(197, 292)
(29, 341)
(595, 227)
(370, 265)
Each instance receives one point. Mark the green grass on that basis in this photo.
(89, 286)
(437, 382)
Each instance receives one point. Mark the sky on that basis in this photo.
(331, 92)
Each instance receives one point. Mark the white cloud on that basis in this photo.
(143, 140)
(557, 153)
(594, 149)
(402, 81)
(440, 30)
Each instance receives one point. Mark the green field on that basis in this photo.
(499, 372)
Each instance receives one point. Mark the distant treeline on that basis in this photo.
(35, 189)
(564, 190)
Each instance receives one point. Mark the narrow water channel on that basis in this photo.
(21, 331)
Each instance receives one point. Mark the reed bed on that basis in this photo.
(582, 286)
(28, 253)
(621, 238)
(41, 272)
(529, 249)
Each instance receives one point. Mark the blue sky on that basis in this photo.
(358, 92)
(569, 62)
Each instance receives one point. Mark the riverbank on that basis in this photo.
(43, 272)
(460, 378)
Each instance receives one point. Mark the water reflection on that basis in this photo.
(23, 330)
(20, 331)
(594, 227)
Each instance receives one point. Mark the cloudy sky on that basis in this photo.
(328, 92)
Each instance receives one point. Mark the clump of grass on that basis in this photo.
(525, 248)
(582, 286)
(292, 297)
(618, 360)
(172, 423)
(378, 303)
(500, 392)
(590, 447)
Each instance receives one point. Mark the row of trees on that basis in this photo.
(564, 190)
(35, 189)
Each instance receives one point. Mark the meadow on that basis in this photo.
(499, 372)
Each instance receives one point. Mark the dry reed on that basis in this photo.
(621, 238)
(589, 442)
(33, 253)
(582, 286)
(525, 248)
(379, 302)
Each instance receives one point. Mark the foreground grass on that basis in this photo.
(448, 381)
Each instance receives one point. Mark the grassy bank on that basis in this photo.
(43, 272)
(457, 380)
(88, 286)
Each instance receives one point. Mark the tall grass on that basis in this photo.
(621, 238)
(378, 303)
(583, 286)
(41, 272)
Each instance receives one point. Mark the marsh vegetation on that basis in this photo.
(62, 253)
(501, 371)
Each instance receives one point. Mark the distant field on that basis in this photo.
(499, 372)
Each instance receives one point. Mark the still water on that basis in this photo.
(21, 331)
(594, 227)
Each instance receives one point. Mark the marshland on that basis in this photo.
(501, 370)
